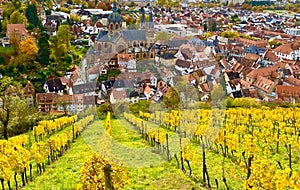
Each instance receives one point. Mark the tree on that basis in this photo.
(31, 15)
(17, 18)
(102, 5)
(161, 35)
(4, 26)
(25, 117)
(171, 99)
(64, 37)
(218, 96)
(14, 40)
(230, 34)
(28, 47)
(8, 104)
(44, 51)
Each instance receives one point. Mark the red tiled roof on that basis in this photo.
(119, 94)
(287, 48)
(18, 29)
(288, 91)
(264, 84)
(263, 72)
(292, 81)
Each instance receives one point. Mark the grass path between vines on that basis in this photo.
(147, 169)
(65, 172)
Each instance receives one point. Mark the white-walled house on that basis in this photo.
(290, 51)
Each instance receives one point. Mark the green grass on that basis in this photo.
(65, 172)
(6, 49)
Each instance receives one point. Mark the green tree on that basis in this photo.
(26, 117)
(142, 105)
(103, 109)
(218, 96)
(4, 25)
(161, 35)
(8, 104)
(17, 18)
(31, 15)
(230, 34)
(171, 99)
(64, 37)
(44, 51)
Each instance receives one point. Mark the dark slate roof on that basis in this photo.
(176, 43)
(108, 84)
(254, 50)
(167, 56)
(232, 75)
(104, 36)
(129, 35)
(119, 84)
(91, 50)
(54, 85)
(198, 42)
(85, 88)
(237, 94)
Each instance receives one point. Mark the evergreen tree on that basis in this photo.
(31, 15)
(44, 50)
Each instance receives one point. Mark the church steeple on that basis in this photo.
(143, 19)
(114, 8)
(150, 25)
(114, 19)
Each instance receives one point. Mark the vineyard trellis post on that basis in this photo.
(168, 151)
(107, 176)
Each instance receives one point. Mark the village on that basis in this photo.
(252, 54)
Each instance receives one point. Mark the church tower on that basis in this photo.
(114, 20)
(143, 20)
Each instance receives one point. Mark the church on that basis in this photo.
(117, 40)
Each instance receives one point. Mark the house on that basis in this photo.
(149, 92)
(253, 58)
(256, 43)
(287, 93)
(200, 76)
(16, 29)
(118, 95)
(29, 93)
(87, 89)
(230, 75)
(237, 67)
(64, 103)
(289, 51)
(291, 81)
(51, 23)
(269, 58)
(264, 84)
(58, 85)
(45, 102)
(75, 76)
(268, 72)
(233, 88)
(185, 67)
(89, 101)
(127, 62)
